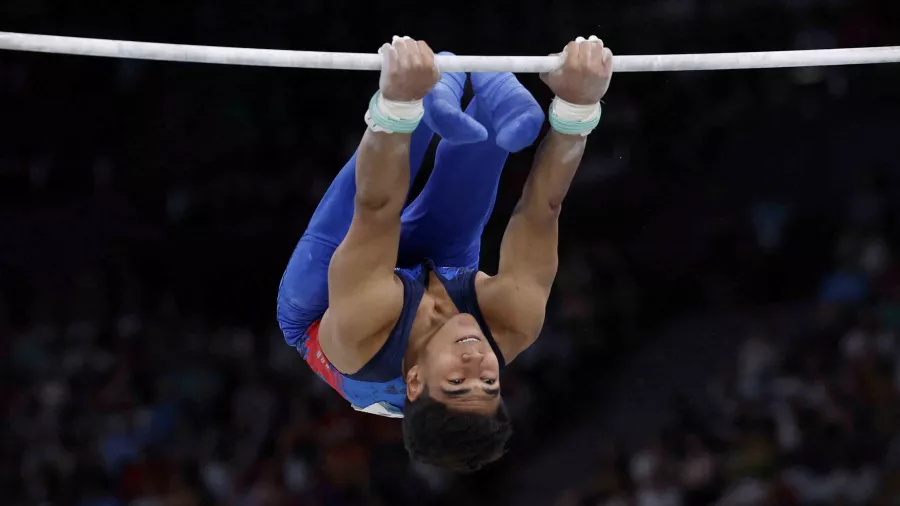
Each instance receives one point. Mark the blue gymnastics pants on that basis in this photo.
(444, 222)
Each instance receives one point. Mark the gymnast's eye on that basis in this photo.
(456, 382)
(489, 381)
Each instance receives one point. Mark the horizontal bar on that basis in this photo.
(364, 61)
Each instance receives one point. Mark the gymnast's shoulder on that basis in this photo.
(357, 325)
(513, 308)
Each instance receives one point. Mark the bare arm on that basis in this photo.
(365, 297)
(529, 248)
(517, 296)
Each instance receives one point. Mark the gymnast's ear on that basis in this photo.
(414, 384)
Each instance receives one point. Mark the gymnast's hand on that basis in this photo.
(408, 71)
(584, 76)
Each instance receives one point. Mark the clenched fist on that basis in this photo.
(408, 71)
(584, 76)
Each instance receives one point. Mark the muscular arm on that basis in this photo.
(516, 297)
(365, 297)
(529, 248)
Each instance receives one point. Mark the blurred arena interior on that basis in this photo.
(723, 329)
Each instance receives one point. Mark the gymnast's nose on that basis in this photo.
(472, 356)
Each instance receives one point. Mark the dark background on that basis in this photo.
(722, 326)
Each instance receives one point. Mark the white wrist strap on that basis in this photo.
(574, 119)
(574, 112)
(400, 110)
(391, 116)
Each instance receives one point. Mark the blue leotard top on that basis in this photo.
(379, 387)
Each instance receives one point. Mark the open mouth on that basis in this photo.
(468, 339)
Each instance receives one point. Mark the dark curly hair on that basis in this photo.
(458, 441)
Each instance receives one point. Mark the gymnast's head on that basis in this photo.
(454, 417)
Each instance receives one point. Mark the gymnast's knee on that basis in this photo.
(303, 292)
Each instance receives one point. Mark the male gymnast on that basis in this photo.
(386, 302)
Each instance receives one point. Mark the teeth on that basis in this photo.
(468, 340)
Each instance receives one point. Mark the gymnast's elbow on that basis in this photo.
(539, 210)
(553, 207)
(376, 206)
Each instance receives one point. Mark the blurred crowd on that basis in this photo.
(808, 411)
(148, 209)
